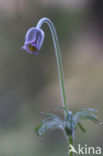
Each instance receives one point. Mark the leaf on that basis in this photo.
(81, 114)
(38, 127)
(54, 119)
(85, 115)
(51, 116)
(61, 108)
(95, 120)
(89, 109)
(81, 127)
(49, 125)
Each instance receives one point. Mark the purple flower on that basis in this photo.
(33, 40)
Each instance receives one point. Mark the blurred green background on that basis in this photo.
(29, 84)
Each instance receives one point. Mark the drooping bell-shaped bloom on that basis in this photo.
(33, 40)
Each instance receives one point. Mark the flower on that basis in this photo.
(33, 40)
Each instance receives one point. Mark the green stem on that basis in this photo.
(70, 142)
(58, 57)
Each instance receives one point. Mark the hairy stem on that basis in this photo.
(58, 57)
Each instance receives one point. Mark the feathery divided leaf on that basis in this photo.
(53, 121)
(84, 114)
(51, 116)
(50, 123)
(89, 109)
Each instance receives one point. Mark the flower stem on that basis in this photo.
(58, 57)
(70, 143)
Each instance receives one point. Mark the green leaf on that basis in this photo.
(51, 116)
(49, 125)
(95, 120)
(89, 109)
(38, 127)
(81, 114)
(85, 115)
(81, 127)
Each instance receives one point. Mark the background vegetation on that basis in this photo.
(29, 84)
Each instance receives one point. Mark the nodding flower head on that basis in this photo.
(33, 40)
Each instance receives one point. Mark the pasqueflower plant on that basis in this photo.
(33, 42)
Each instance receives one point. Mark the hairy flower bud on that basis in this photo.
(33, 40)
